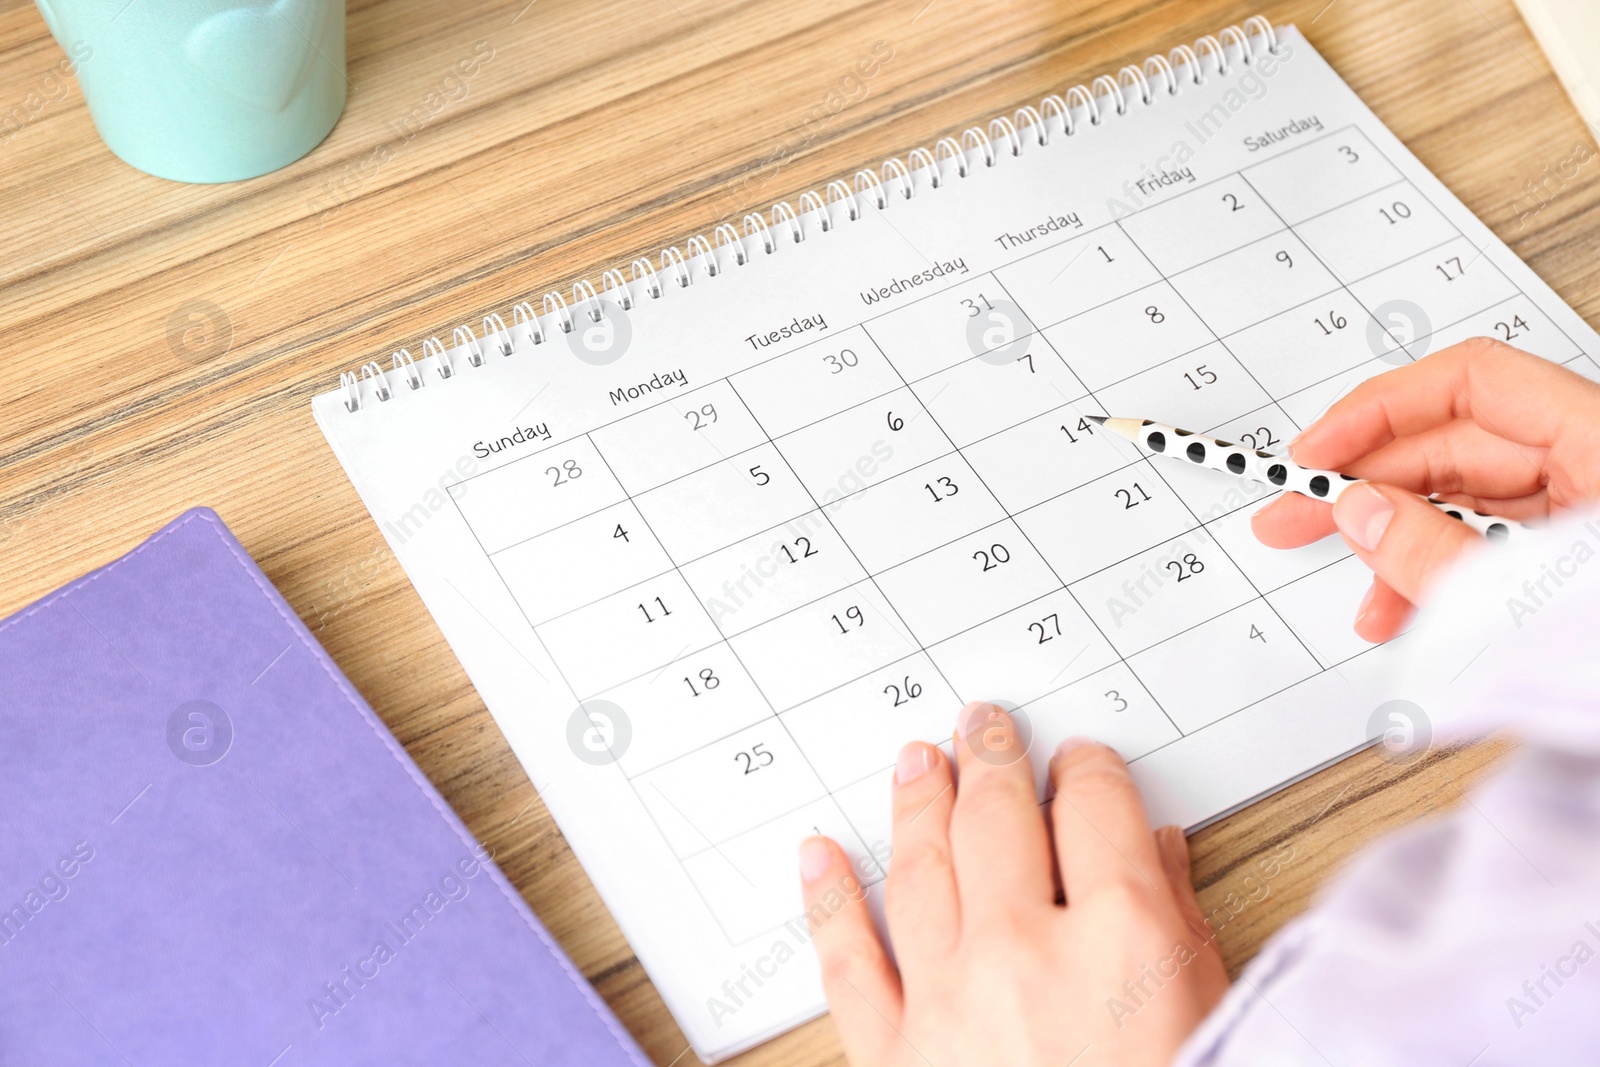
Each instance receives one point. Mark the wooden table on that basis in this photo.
(595, 133)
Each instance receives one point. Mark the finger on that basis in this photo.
(862, 988)
(1510, 393)
(1293, 520)
(1174, 850)
(1383, 614)
(920, 895)
(1530, 508)
(1405, 540)
(1103, 838)
(1458, 457)
(997, 835)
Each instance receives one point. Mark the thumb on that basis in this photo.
(1404, 539)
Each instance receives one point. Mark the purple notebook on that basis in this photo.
(215, 853)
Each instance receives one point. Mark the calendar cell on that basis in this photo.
(1307, 344)
(684, 706)
(1585, 366)
(627, 634)
(681, 434)
(773, 572)
(1223, 665)
(1201, 224)
(1377, 231)
(1322, 175)
(1433, 282)
(1309, 404)
(945, 328)
(1111, 706)
(1272, 568)
(864, 445)
(1037, 648)
(1321, 608)
(712, 508)
(869, 805)
(616, 545)
(1078, 275)
(1128, 335)
(857, 729)
(822, 645)
(1210, 494)
(1163, 591)
(978, 398)
(811, 383)
(1250, 284)
(960, 584)
(750, 884)
(1048, 455)
(918, 511)
(1197, 391)
(754, 776)
(1516, 322)
(535, 494)
(1098, 524)
(1267, 429)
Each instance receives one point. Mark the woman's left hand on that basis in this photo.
(993, 967)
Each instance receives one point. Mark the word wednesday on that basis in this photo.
(950, 267)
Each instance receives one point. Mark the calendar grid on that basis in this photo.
(1137, 462)
(1038, 330)
(1344, 285)
(1053, 570)
(1046, 693)
(921, 649)
(689, 653)
(1260, 700)
(771, 707)
(560, 673)
(1139, 658)
(1201, 524)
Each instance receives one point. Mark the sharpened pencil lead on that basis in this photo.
(1125, 428)
(1098, 420)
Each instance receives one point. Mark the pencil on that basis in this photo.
(1280, 472)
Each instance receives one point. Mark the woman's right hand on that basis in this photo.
(1481, 424)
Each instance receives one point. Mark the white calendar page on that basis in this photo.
(708, 589)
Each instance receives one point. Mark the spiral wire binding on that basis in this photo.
(1030, 127)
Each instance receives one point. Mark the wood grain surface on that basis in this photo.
(593, 133)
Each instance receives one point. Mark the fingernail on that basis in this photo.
(1366, 602)
(973, 716)
(916, 759)
(1071, 743)
(1362, 515)
(815, 858)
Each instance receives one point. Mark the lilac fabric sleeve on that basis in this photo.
(215, 853)
(1471, 938)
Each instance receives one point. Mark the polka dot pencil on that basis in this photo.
(1264, 467)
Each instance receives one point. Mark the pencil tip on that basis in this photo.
(1098, 420)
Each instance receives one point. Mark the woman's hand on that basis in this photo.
(993, 968)
(1481, 424)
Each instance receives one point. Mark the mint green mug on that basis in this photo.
(206, 90)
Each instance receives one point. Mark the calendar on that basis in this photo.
(714, 539)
